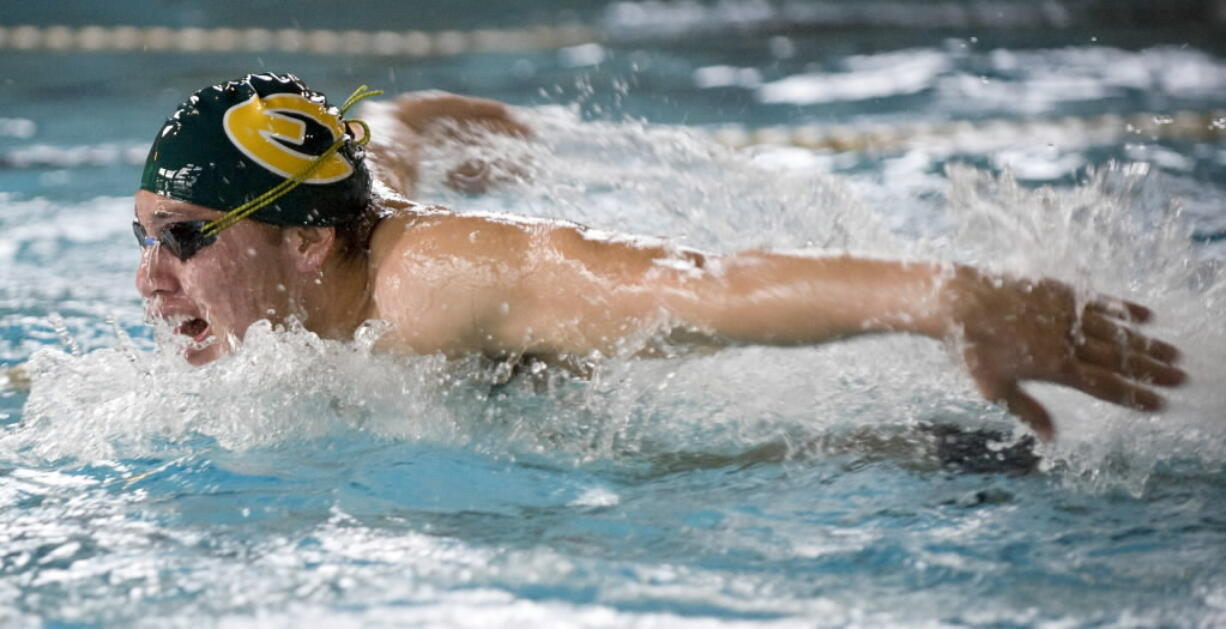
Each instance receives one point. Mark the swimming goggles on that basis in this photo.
(185, 239)
(182, 239)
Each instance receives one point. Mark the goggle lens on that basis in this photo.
(182, 239)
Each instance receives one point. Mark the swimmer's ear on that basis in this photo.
(309, 246)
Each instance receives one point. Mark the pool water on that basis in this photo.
(304, 480)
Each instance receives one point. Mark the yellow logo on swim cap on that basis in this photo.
(254, 126)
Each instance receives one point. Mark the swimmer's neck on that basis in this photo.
(342, 298)
(339, 300)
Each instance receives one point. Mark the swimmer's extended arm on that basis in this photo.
(396, 152)
(1007, 330)
(549, 289)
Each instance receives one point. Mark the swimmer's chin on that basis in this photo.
(200, 344)
(191, 337)
(203, 352)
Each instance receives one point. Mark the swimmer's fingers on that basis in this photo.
(1129, 363)
(1020, 404)
(1109, 386)
(1096, 326)
(476, 176)
(1028, 409)
(1120, 309)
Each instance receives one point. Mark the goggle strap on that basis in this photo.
(358, 95)
(270, 196)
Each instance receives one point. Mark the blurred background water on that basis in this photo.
(304, 480)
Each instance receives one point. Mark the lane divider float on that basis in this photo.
(127, 38)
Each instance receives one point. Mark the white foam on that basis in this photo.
(1120, 232)
(878, 76)
(1038, 80)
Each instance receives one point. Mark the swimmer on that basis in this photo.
(259, 200)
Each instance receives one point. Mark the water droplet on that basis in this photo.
(369, 332)
(65, 335)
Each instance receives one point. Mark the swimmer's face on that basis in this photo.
(214, 296)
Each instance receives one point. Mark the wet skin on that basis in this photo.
(508, 286)
(254, 271)
(505, 286)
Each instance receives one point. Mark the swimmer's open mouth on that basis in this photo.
(196, 329)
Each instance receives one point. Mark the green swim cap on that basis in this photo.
(232, 142)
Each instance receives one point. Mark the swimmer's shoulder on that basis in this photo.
(399, 218)
(435, 275)
(414, 230)
(426, 233)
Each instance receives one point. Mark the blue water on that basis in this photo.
(309, 481)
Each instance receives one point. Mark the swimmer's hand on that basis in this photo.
(16, 378)
(396, 152)
(463, 119)
(1013, 330)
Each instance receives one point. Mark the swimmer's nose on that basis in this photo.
(154, 274)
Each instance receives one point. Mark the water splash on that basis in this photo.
(1117, 232)
(636, 178)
